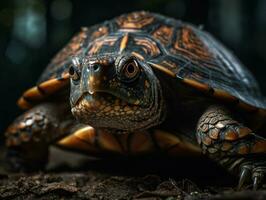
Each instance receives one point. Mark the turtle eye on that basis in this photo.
(131, 69)
(73, 72)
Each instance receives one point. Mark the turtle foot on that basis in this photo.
(252, 171)
(26, 143)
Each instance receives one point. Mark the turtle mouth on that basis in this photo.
(105, 110)
(100, 101)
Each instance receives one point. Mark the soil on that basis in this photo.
(149, 178)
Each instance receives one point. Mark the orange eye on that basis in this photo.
(73, 72)
(131, 69)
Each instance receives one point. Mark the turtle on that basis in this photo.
(141, 84)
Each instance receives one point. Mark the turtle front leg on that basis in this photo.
(233, 145)
(28, 137)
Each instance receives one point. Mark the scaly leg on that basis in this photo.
(233, 145)
(28, 137)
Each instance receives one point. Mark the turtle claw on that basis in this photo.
(256, 183)
(258, 177)
(244, 176)
(252, 172)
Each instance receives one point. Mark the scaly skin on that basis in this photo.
(29, 136)
(233, 145)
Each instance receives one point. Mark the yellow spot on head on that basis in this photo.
(137, 102)
(123, 43)
(91, 79)
(137, 55)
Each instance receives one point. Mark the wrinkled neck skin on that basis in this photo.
(154, 114)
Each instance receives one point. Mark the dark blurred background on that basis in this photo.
(32, 31)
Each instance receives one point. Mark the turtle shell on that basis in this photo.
(176, 48)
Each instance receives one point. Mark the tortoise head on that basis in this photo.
(119, 92)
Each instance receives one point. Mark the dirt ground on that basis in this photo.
(147, 178)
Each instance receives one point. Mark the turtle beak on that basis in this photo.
(92, 78)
